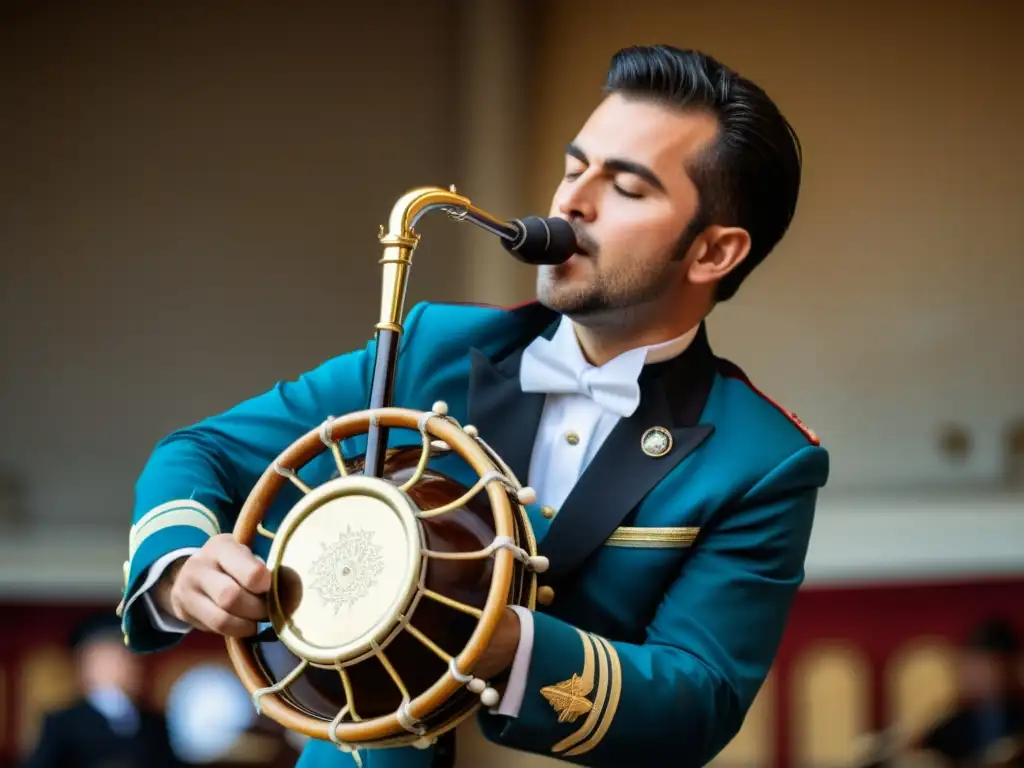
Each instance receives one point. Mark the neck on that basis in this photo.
(98, 688)
(602, 341)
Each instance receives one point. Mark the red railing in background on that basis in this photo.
(36, 675)
(879, 623)
(869, 625)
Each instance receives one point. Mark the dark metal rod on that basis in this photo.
(382, 393)
(383, 384)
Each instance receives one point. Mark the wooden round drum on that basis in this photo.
(385, 590)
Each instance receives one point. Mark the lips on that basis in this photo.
(582, 249)
(583, 246)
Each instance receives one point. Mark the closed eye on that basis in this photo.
(630, 195)
(573, 175)
(575, 158)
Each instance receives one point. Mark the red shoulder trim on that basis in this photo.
(732, 371)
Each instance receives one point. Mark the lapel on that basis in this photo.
(506, 417)
(673, 395)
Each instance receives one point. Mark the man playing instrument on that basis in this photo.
(675, 501)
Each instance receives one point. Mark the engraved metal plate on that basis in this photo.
(346, 561)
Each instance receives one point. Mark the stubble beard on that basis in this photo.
(614, 300)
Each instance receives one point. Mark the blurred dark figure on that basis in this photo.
(107, 727)
(987, 726)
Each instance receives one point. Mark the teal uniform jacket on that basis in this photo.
(673, 576)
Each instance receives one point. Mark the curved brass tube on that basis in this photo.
(400, 243)
(401, 239)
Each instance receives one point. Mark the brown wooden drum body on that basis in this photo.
(358, 691)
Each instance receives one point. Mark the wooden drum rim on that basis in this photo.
(296, 456)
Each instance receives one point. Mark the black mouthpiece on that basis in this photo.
(542, 241)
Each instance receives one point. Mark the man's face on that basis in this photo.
(627, 194)
(985, 675)
(107, 663)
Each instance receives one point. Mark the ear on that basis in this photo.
(720, 251)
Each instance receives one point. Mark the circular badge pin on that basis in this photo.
(656, 442)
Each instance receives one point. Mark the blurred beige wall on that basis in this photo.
(894, 304)
(189, 206)
(190, 195)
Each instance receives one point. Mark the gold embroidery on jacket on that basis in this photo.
(655, 538)
(599, 699)
(569, 697)
(615, 675)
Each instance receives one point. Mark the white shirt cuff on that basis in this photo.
(512, 700)
(160, 619)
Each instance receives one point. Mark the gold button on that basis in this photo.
(545, 596)
(548, 512)
(572, 438)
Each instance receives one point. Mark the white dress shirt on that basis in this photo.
(584, 403)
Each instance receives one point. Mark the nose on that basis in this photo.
(574, 200)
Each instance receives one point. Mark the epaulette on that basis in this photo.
(730, 370)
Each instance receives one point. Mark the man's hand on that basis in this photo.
(502, 651)
(218, 589)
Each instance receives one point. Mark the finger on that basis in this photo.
(186, 598)
(185, 615)
(228, 594)
(244, 567)
(183, 602)
(206, 614)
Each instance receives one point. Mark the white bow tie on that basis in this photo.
(547, 368)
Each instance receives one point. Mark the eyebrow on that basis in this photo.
(619, 165)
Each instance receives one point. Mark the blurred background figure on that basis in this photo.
(986, 727)
(106, 727)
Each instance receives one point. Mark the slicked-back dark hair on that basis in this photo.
(750, 176)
